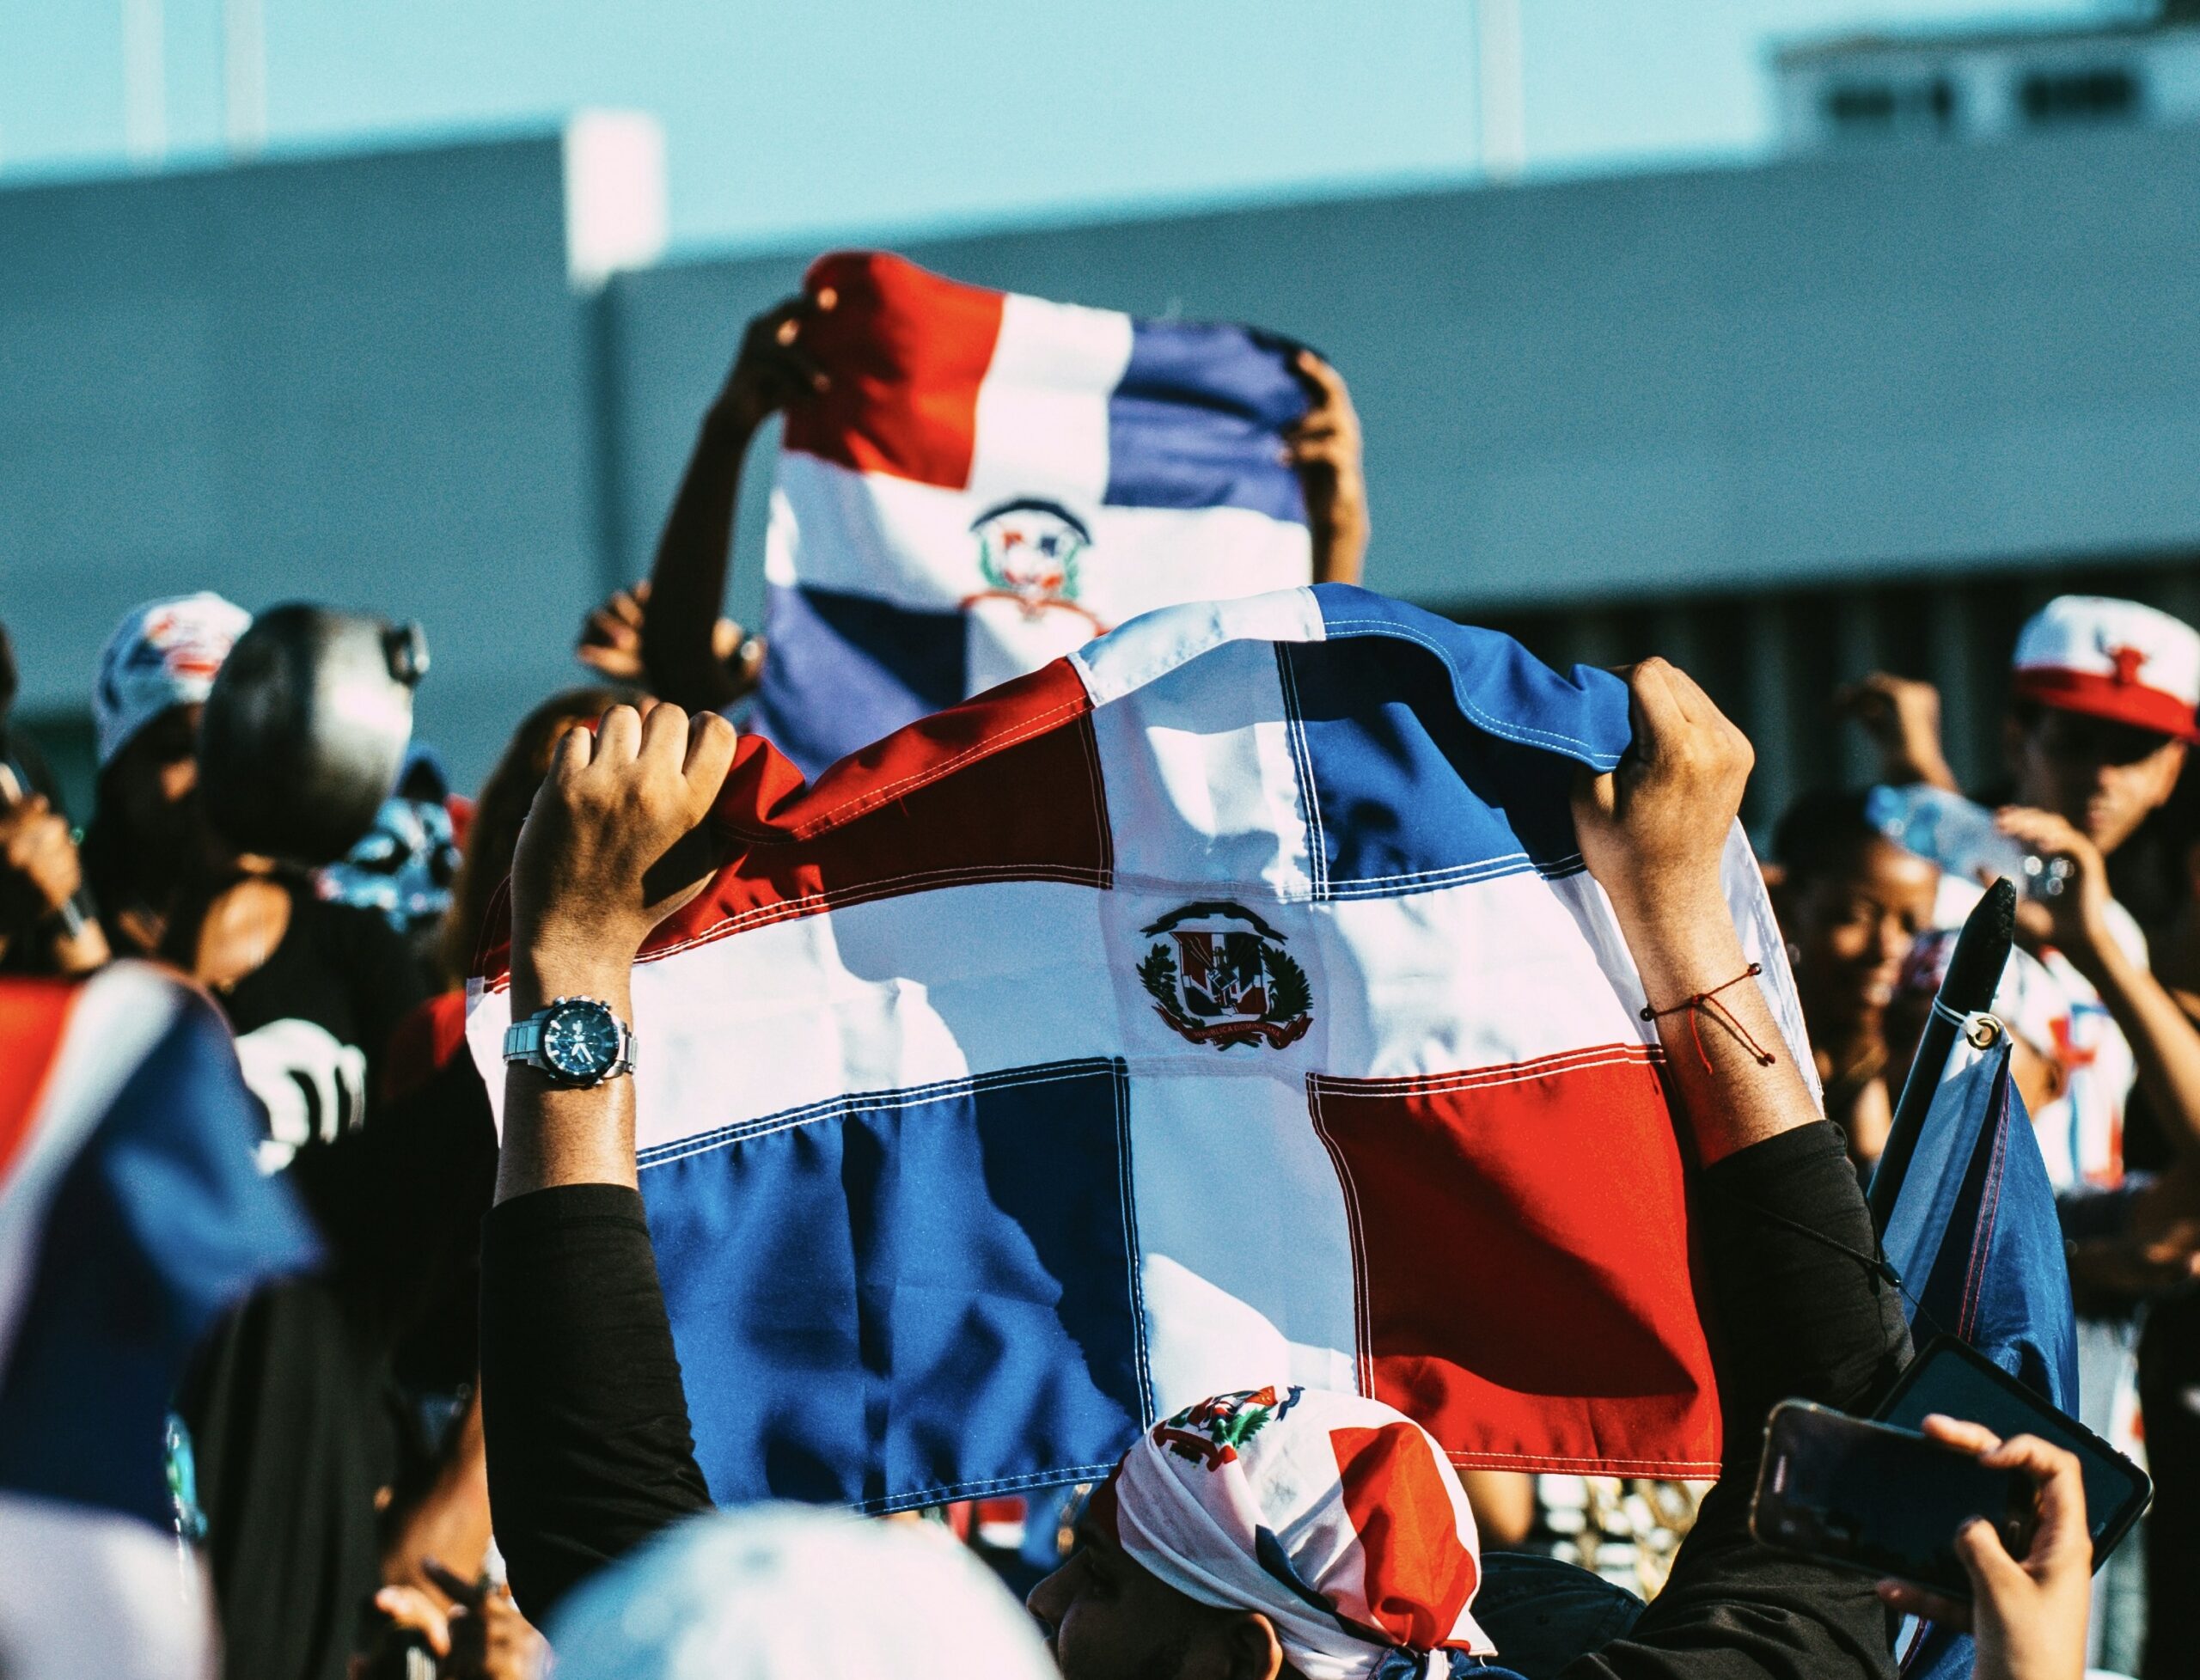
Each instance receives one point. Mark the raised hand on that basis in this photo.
(1324, 445)
(2028, 1613)
(611, 644)
(1653, 831)
(613, 844)
(775, 366)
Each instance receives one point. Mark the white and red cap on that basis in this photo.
(163, 654)
(2112, 659)
(1336, 1516)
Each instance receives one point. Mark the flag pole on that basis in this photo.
(1982, 951)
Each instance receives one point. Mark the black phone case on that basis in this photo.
(1953, 1584)
(2108, 1531)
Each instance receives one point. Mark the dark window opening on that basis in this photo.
(1885, 106)
(2087, 96)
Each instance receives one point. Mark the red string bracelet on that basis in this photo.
(1703, 1000)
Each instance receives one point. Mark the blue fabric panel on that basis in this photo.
(1444, 757)
(898, 1298)
(1196, 421)
(1975, 1237)
(845, 669)
(160, 1221)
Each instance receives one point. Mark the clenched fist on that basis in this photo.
(612, 843)
(1654, 830)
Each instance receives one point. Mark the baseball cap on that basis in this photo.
(163, 654)
(2112, 659)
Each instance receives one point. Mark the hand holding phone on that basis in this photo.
(2026, 1610)
(1882, 1501)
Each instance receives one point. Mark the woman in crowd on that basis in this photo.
(1851, 903)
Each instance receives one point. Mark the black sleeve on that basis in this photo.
(585, 1419)
(1800, 1311)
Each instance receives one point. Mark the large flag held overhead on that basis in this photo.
(994, 479)
(131, 1212)
(1223, 1004)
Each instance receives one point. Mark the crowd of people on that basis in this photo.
(469, 1423)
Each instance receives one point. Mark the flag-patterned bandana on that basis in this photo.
(1337, 1517)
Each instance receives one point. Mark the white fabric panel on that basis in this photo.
(89, 1593)
(980, 978)
(1478, 975)
(1043, 409)
(871, 534)
(1239, 1289)
(1144, 559)
(122, 1013)
(1194, 794)
(1154, 644)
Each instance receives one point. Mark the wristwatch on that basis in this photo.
(576, 1041)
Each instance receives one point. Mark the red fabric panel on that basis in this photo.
(1006, 787)
(33, 1015)
(906, 351)
(1418, 1576)
(1524, 1286)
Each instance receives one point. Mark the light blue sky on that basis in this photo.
(805, 118)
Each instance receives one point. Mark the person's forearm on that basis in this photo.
(1732, 1098)
(687, 582)
(1341, 544)
(554, 1136)
(2165, 1045)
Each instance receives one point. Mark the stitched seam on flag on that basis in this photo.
(1363, 1349)
(1089, 741)
(967, 1490)
(1511, 863)
(863, 803)
(1125, 1189)
(873, 1101)
(1506, 728)
(892, 886)
(1974, 1280)
(1302, 761)
(1685, 1470)
(1508, 1074)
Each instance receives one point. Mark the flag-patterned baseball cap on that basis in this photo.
(1335, 1516)
(2112, 659)
(163, 654)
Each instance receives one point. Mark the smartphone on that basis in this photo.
(1954, 1379)
(1886, 1501)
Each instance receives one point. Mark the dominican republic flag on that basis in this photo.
(130, 1213)
(994, 479)
(1975, 1237)
(1223, 1004)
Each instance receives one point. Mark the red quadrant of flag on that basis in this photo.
(33, 1013)
(906, 351)
(1521, 1242)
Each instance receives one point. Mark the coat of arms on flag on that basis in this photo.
(1221, 1008)
(1220, 975)
(993, 480)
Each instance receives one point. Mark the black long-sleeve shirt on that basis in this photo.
(590, 1454)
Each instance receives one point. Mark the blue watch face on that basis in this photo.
(580, 1040)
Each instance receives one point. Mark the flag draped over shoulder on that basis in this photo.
(1223, 1004)
(131, 1212)
(992, 480)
